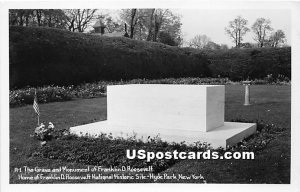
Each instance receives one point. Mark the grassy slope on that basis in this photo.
(270, 103)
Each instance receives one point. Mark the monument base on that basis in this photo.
(228, 134)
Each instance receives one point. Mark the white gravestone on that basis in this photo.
(174, 112)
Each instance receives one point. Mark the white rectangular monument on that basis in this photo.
(183, 107)
(174, 112)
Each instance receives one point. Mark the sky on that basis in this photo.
(212, 22)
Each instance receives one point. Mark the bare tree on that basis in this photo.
(20, 16)
(79, 19)
(112, 25)
(131, 17)
(261, 28)
(159, 17)
(133, 21)
(163, 20)
(39, 14)
(199, 42)
(53, 18)
(150, 25)
(147, 24)
(37, 17)
(277, 38)
(237, 29)
(137, 21)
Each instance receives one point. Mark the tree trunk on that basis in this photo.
(156, 29)
(21, 20)
(49, 21)
(239, 39)
(38, 16)
(236, 40)
(149, 37)
(132, 23)
(27, 21)
(157, 25)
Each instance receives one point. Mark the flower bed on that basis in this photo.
(45, 94)
(51, 93)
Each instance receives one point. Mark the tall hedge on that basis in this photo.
(257, 63)
(41, 56)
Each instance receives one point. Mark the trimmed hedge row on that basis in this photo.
(257, 63)
(40, 56)
(44, 56)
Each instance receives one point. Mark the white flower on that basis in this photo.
(65, 133)
(39, 128)
(50, 126)
(43, 143)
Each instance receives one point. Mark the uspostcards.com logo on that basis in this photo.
(142, 154)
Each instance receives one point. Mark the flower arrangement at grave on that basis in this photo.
(44, 133)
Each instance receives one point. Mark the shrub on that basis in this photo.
(89, 90)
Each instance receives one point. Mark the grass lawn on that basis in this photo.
(270, 103)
